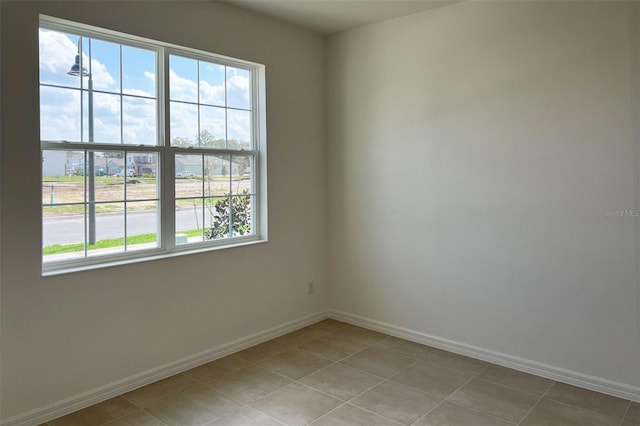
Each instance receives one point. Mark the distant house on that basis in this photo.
(69, 163)
(142, 163)
(216, 166)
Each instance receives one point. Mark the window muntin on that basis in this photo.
(148, 193)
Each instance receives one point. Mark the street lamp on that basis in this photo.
(77, 70)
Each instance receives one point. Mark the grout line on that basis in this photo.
(428, 411)
(321, 391)
(317, 371)
(467, 407)
(587, 409)
(327, 413)
(625, 413)
(112, 420)
(155, 417)
(467, 382)
(389, 379)
(251, 402)
(271, 417)
(536, 403)
(373, 412)
(512, 388)
(244, 404)
(583, 409)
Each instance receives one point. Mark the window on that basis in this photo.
(148, 149)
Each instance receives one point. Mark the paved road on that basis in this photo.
(70, 229)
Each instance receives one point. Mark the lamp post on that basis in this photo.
(77, 70)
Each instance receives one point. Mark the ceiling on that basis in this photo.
(332, 16)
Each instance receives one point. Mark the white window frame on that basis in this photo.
(166, 153)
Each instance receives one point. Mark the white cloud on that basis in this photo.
(57, 55)
(184, 121)
(59, 114)
(238, 94)
(139, 121)
(137, 92)
(181, 88)
(239, 125)
(211, 94)
(57, 52)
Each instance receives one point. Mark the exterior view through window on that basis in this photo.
(147, 148)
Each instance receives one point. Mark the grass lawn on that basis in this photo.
(111, 242)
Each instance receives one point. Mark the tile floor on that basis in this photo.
(333, 374)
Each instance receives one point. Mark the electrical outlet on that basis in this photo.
(311, 287)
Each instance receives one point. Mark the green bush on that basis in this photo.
(231, 220)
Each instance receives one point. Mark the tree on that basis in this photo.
(206, 139)
(231, 219)
(181, 141)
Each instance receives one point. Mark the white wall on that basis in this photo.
(472, 153)
(72, 333)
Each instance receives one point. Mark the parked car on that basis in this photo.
(184, 174)
(130, 173)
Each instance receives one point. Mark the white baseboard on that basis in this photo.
(102, 393)
(544, 370)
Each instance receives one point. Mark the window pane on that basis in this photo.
(212, 127)
(241, 166)
(189, 218)
(110, 164)
(238, 129)
(217, 180)
(184, 124)
(106, 118)
(145, 184)
(57, 54)
(139, 121)
(59, 114)
(238, 88)
(62, 232)
(188, 182)
(101, 77)
(212, 89)
(142, 225)
(108, 187)
(183, 79)
(105, 65)
(62, 177)
(241, 215)
(138, 71)
(228, 217)
(109, 229)
(218, 215)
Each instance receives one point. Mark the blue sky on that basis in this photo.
(127, 109)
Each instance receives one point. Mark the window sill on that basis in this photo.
(150, 257)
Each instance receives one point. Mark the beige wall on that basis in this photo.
(72, 333)
(472, 153)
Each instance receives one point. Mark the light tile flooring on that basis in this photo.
(333, 374)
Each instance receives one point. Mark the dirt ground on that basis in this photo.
(112, 189)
